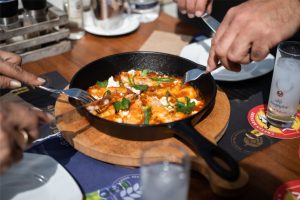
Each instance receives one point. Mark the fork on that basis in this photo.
(192, 75)
(74, 93)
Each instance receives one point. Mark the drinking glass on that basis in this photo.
(285, 89)
(146, 10)
(165, 170)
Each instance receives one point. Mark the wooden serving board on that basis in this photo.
(96, 144)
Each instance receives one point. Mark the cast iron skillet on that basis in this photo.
(168, 64)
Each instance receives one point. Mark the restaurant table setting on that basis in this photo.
(107, 167)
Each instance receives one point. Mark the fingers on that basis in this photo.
(6, 82)
(194, 7)
(182, 6)
(213, 59)
(259, 51)
(190, 7)
(10, 57)
(13, 75)
(9, 151)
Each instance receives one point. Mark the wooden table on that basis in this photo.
(267, 169)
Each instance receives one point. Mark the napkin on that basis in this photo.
(166, 42)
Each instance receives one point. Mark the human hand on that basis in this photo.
(250, 30)
(11, 74)
(194, 7)
(19, 127)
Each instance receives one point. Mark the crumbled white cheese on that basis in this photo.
(124, 113)
(194, 100)
(132, 72)
(164, 101)
(133, 89)
(112, 82)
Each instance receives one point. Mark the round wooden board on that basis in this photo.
(90, 141)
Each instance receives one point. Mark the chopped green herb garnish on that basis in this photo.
(107, 93)
(147, 114)
(102, 84)
(140, 87)
(130, 81)
(163, 79)
(185, 108)
(121, 105)
(145, 72)
(137, 87)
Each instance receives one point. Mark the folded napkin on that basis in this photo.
(166, 42)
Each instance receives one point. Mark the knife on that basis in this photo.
(211, 22)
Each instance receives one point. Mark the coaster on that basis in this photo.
(249, 140)
(258, 120)
(288, 191)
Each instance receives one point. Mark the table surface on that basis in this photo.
(268, 169)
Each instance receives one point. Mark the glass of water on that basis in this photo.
(165, 171)
(285, 89)
(145, 10)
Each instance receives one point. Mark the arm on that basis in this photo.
(250, 30)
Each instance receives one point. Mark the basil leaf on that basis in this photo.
(102, 84)
(163, 79)
(141, 87)
(147, 114)
(121, 105)
(185, 108)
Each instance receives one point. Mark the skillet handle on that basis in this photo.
(216, 158)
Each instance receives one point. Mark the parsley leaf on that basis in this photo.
(185, 108)
(145, 72)
(121, 105)
(140, 87)
(147, 114)
(102, 84)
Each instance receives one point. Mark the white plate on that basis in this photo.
(38, 177)
(129, 24)
(198, 52)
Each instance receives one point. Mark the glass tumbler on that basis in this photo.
(165, 170)
(285, 89)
